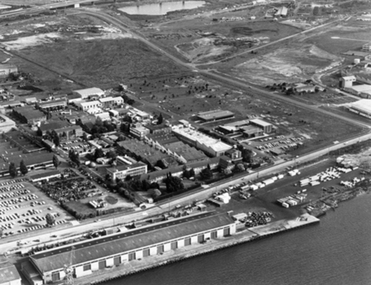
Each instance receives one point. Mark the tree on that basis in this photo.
(112, 154)
(206, 173)
(160, 119)
(246, 155)
(12, 170)
(155, 193)
(98, 153)
(85, 137)
(173, 184)
(56, 140)
(23, 168)
(50, 220)
(74, 157)
(317, 11)
(56, 161)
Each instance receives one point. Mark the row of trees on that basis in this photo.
(13, 171)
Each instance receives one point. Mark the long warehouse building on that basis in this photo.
(119, 249)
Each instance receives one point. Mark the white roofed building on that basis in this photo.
(89, 92)
(209, 145)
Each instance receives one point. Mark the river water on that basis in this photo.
(334, 252)
(161, 8)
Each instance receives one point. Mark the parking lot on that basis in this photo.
(23, 208)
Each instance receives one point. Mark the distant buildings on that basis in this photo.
(6, 69)
(366, 47)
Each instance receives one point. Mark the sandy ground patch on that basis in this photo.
(30, 41)
(285, 64)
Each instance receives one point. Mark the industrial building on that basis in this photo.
(29, 115)
(267, 127)
(347, 81)
(83, 105)
(65, 130)
(209, 145)
(109, 102)
(46, 176)
(53, 105)
(281, 12)
(122, 171)
(89, 92)
(361, 107)
(214, 115)
(120, 249)
(9, 275)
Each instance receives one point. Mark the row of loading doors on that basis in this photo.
(160, 248)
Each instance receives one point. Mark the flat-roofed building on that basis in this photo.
(267, 127)
(109, 102)
(209, 145)
(89, 92)
(53, 105)
(88, 257)
(139, 131)
(361, 107)
(347, 81)
(215, 115)
(86, 105)
(45, 176)
(29, 115)
(9, 275)
(6, 124)
(122, 171)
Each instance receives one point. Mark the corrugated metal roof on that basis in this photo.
(114, 244)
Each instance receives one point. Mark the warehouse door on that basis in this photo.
(187, 241)
(160, 249)
(226, 232)
(214, 235)
(145, 252)
(55, 276)
(201, 238)
(102, 264)
(116, 260)
(174, 245)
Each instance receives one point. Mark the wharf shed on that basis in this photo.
(119, 249)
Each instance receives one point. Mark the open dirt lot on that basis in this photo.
(203, 40)
(293, 63)
(83, 49)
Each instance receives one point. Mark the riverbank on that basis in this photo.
(171, 256)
